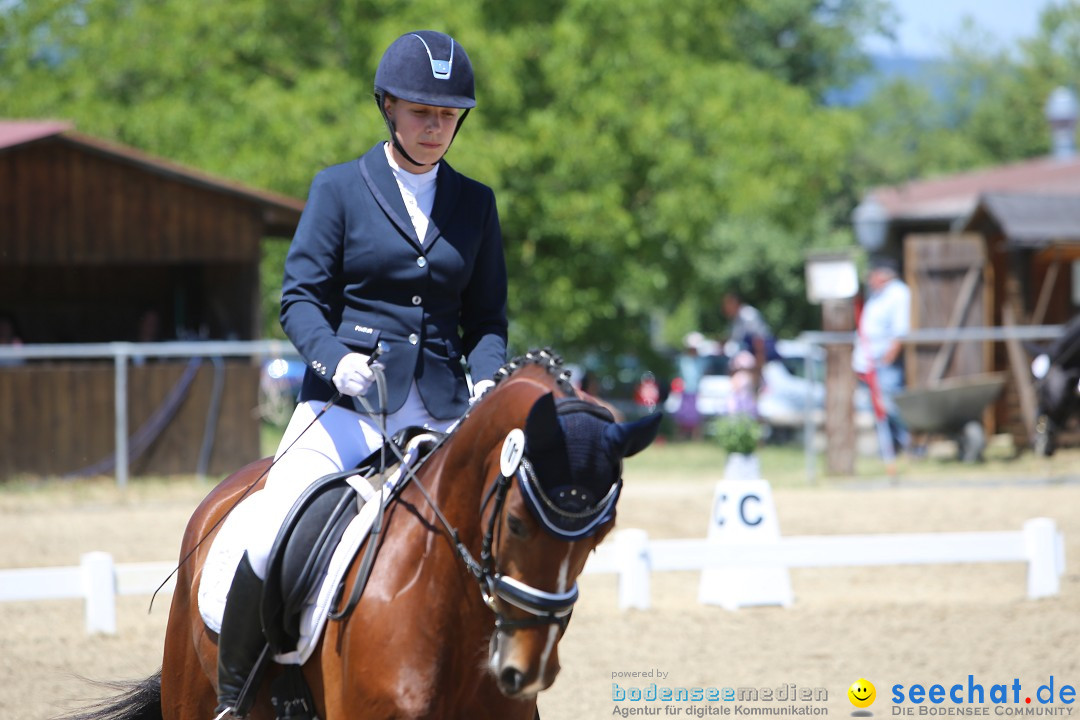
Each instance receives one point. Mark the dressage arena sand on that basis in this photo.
(916, 624)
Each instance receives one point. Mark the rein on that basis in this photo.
(545, 607)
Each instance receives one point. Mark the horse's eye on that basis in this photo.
(516, 526)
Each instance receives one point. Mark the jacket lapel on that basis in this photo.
(380, 181)
(447, 189)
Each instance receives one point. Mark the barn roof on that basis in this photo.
(281, 213)
(955, 196)
(20, 132)
(1029, 219)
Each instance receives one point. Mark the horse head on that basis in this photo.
(567, 464)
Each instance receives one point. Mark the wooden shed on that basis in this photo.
(100, 242)
(995, 247)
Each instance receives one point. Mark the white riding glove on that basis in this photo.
(479, 389)
(354, 375)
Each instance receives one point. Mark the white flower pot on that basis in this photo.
(742, 467)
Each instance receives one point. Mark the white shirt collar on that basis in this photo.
(415, 182)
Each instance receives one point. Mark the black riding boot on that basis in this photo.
(242, 647)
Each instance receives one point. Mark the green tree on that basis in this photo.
(647, 156)
(990, 113)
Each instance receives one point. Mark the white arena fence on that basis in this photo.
(97, 579)
(631, 556)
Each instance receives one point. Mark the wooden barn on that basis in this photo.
(996, 247)
(101, 243)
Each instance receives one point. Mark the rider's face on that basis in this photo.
(425, 131)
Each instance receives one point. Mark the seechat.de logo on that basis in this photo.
(862, 695)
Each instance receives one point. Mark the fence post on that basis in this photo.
(632, 556)
(120, 395)
(1040, 540)
(99, 587)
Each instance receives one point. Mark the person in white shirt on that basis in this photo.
(877, 359)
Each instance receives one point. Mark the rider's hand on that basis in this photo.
(479, 389)
(354, 375)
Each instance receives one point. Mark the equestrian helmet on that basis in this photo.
(426, 67)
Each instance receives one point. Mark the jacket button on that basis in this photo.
(416, 300)
(413, 339)
(421, 261)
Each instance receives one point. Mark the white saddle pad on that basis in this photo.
(228, 548)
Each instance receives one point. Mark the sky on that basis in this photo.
(925, 25)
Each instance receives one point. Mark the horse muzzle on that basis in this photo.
(524, 664)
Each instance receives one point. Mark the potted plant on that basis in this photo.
(739, 436)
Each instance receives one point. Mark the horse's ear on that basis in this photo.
(626, 439)
(542, 427)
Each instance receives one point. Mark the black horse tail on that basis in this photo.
(138, 700)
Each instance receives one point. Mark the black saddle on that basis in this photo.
(310, 534)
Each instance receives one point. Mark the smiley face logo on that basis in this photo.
(862, 693)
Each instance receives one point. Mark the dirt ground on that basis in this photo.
(891, 625)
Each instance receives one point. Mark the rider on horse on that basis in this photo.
(394, 253)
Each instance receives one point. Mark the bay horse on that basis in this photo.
(438, 633)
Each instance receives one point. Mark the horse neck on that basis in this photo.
(472, 460)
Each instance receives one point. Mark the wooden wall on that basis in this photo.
(59, 417)
(93, 239)
(65, 203)
(944, 295)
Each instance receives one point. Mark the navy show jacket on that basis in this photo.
(356, 276)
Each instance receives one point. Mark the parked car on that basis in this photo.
(279, 384)
(714, 388)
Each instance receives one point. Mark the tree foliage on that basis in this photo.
(647, 156)
(990, 110)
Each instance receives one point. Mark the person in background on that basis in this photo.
(749, 331)
(691, 368)
(647, 392)
(9, 332)
(877, 359)
(9, 335)
(398, 252)
(743, 397)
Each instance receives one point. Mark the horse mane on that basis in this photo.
(545, 358)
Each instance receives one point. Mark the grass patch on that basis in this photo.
(786, 466)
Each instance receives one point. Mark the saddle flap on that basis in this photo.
(301, 553)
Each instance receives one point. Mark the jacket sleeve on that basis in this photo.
(483, 308)
(311, 304)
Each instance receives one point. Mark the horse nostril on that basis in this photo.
(511, 679)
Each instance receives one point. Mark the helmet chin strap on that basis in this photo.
(380, 100)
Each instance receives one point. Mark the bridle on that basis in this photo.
(546, 608)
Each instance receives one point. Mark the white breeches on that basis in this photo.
(338, 440)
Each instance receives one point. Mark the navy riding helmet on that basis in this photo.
(429, 68)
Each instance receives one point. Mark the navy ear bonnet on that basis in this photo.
(574, 450)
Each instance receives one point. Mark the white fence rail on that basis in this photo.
(121, 354)
(632, 556)
(97, 579)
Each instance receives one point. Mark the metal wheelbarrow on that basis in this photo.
(953, 407)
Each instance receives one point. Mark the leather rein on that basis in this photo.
(545, 607)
